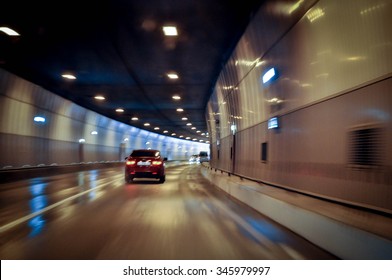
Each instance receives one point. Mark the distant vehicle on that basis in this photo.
(194, 159)
(203, 157)
(145, 164)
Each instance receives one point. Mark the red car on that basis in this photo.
(145, 164)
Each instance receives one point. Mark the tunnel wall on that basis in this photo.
(331, 96)
(25, 143)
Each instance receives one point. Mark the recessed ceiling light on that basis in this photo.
(156, 128)
(135, 119)
(9, 31)
(170, 30)
(181, 136)
(172, 76)
(165, 131)
(176, 97)
(120, 110)
(147, 124)
(68, 76)
(184, 118)
(99, 97)
(193, 128)
(180, 110)
(188, 124)
(173, 134)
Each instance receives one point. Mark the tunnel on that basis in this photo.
(295, 162)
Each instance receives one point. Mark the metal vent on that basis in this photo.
(365, 147)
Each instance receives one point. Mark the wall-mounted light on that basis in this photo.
(233, 128)
(273, 123)
(269, 75)
(39, 119)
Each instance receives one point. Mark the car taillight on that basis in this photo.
(131, 162)
(156, 162)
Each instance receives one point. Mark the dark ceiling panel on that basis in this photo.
(117, 49)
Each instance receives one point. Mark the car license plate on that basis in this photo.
(144, 163)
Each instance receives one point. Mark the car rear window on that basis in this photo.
(145, 153)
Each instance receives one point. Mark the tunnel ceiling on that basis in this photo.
(117, 49)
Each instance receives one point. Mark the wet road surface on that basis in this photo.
(96, 215)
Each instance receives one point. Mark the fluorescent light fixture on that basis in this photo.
(172, 76)
(165, 131)
(39, 119)
(269, 75)
(180, 110)
(146, 124)
(99, 97)
(135, 119)
(184, 118)
(176, 97)
(188, 124)
(120, 110)
(173, 134)
(273, 123)
(68, 76)
(156, 128)
(9, 31)
(170, 30)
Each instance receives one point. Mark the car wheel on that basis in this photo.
(128, 179)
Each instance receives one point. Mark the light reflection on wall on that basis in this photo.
(93, 184)
(37, 202)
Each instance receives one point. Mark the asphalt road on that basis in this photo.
(96, 215)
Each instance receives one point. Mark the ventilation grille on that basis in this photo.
(365, 147)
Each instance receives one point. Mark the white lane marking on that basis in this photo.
(32, 215)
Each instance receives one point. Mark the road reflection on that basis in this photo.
(37, 202)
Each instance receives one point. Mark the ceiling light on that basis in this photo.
(119, 110)
(184, 119)
(181, 136)
(82, 140)
(176, 97)
(94, 132)
(172, 76)
(165, 131)
(170, 30)
(180, 110)
(156, 128)
(173, 134)
(188, 124)
(193, 128)
(9, 31)
(147, 124)
(99, 97)
(135, 119)
(68, 76)
(188, 138)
